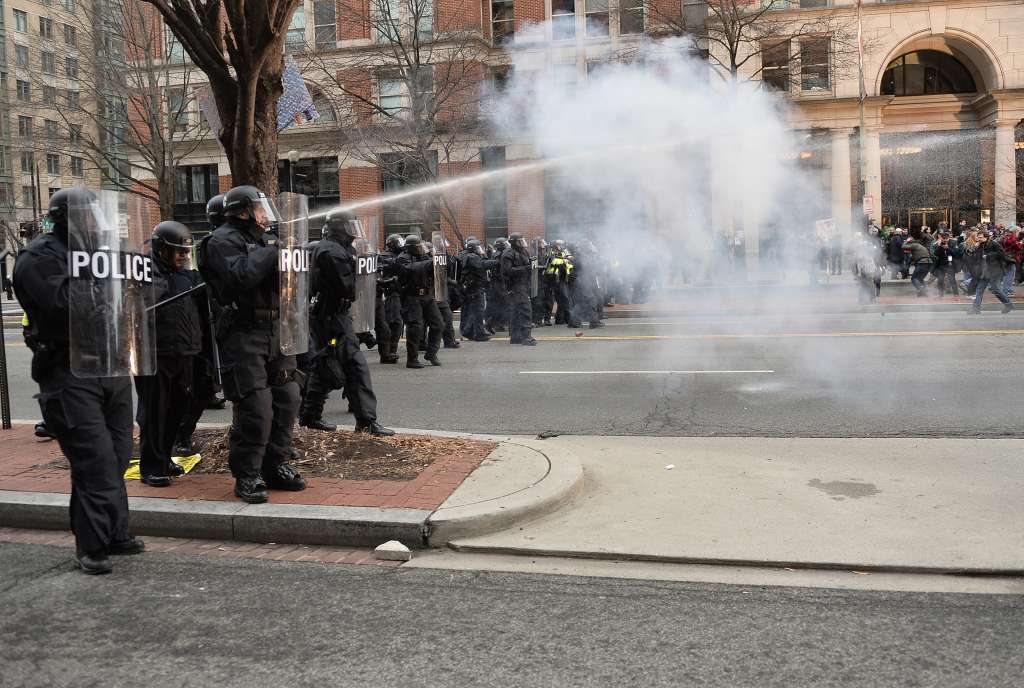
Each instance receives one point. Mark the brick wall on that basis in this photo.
(150, 210)
(224, 184)
(526, 204)
(466, 202)
(527, 12)
(356, 183)
(457, 15)
(353, 19)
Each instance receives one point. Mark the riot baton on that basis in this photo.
(214, 349)
(174, 298)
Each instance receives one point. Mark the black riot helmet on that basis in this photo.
(472, 244)
(500, 244)
(471, 238)
(57, 209)
(414, 245)
(343, 226)
(215, 211)
(249, 199)
(395, 242)
(170, 238)
(517, 240)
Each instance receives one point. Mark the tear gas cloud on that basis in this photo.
(638, 149)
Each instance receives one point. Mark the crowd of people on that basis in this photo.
(941, 261)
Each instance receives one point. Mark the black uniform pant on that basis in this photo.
(521, 324)
(497, 307)
(421, 313)
(204, 389)
(261, 384)
(92, 419)
(358, 387)
(164, 400)
(448, 331)
(393, 316)
(471, 323)
(563, 301)
(382, 330)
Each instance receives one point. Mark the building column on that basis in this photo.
(841, 210)
(1005, 197)
(873, 171)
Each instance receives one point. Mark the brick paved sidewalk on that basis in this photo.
(30, 465)
(227, 549)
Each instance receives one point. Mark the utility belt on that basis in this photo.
(419, 291)
(253, 317)
(326, 309)
(47, 355)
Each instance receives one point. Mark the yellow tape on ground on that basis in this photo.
(186, 462)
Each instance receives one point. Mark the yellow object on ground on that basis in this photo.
(186, 462)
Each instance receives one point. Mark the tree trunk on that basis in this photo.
(251, 140)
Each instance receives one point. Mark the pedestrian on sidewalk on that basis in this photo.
(946, 262)
(920, 259)
(1014, 250)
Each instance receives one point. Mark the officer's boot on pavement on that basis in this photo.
(284, 477)
(93, 563)
(131, 545)
(317, 423)
(413, 362)
(251, 490)
(433, 359)
(374, 428)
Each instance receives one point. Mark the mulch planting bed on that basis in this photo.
(344, 454)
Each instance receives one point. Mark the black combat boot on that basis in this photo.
(317, 423)
(284, 477)
(374, 428)
(433, 359)
(251, 490)
(93, 563)
(132, 545)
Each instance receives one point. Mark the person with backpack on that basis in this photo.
(992, 263)
(920, 259)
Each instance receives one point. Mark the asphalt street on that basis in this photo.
(165, 620)
(781, 375)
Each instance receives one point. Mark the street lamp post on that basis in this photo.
(293, 158)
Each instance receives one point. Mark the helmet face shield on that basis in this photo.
(354, 228)
(264, 212)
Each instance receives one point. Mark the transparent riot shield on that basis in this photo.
(364, 308)
(440, 267)
(535, 273)
(293, 237)
(112, 326)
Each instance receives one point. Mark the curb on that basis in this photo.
(561, 480)
(747, 563)
(285, 523)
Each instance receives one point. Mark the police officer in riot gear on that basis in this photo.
(240, 262)
(516, 266)
(204, 383)
(387, 283)
(165, 397)
(474, 268)
(334, 265)
(497, 311)
(419, 309)
(91, 417)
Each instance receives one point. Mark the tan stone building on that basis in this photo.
(41, 49)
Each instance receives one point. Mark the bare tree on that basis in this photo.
(239, 46)
(410, 99)
(752, 40)
(134, 126)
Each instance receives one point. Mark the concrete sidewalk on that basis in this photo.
(884, 505)
(454, 496)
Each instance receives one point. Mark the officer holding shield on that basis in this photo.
(165, 397)
(240, 261)
(516, 268)
(415, 268)
(387, 282)
(91, 415)
(339, 285)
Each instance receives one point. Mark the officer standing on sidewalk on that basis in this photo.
(240, 262)
(90, 416)
(334, 264)
(164, 397)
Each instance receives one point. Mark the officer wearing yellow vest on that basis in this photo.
(557, 276)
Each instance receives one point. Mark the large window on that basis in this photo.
(77, 166)
(316, 178)
(391, 94)
(28, 162)
(814, 64)
(597, 17)
(775, 65)
(503, 24)
(194, 186)
(53, 164)
(24, 127)
(325, 23)
(631, 16)
(295, 40)
(70, 35)
(495, 194)
(399, 171)
(48, 62)
(46, 27)
(21, 21)
(926, 72)
(177, 110)
(21, 56)
(24, 91)
(563, 19)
